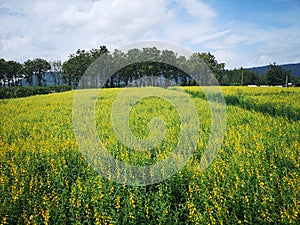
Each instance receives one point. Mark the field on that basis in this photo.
(254, 179)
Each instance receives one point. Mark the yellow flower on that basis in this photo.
(131, 200)
(118, 202)
(46, 216)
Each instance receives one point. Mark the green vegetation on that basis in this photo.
(254, 180)
(274, 101)
(134, 66)
(20, 91)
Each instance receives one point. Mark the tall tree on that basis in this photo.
(56, 70)
(28, 71)
(250, 77)
(217, 69)
(9, 72)
(75, 67)
(168, 70)
(220, 73)
(36, 67)
(276, 75)
(96, 53)
(2, 71)
(40, 67)
(240, 77)
(13, 72)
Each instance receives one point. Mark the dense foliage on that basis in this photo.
(277, 102)
(24, 91)
(145, 62)
(9, 71)
(254, 180)
(119, 69)
(36, 67)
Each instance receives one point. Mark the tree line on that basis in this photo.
(136, 67)
(12, 73)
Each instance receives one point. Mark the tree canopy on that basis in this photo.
(9, 71)
(36, 67)
(141, 67)
(137, 67)
(77, 64)
(276, 75)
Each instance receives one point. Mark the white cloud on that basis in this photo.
(248, 45)
(53, 29)
(198, 9)
(68, 25)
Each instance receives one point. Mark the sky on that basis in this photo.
(239, 33)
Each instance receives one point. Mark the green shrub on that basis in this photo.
(25, 91)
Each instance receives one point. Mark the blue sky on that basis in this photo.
(240, 33)
(265, 14)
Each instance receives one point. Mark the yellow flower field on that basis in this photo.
(255, 178)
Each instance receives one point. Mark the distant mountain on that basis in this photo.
(294, 68)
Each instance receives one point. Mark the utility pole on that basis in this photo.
(286, 79)
(242, 79)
